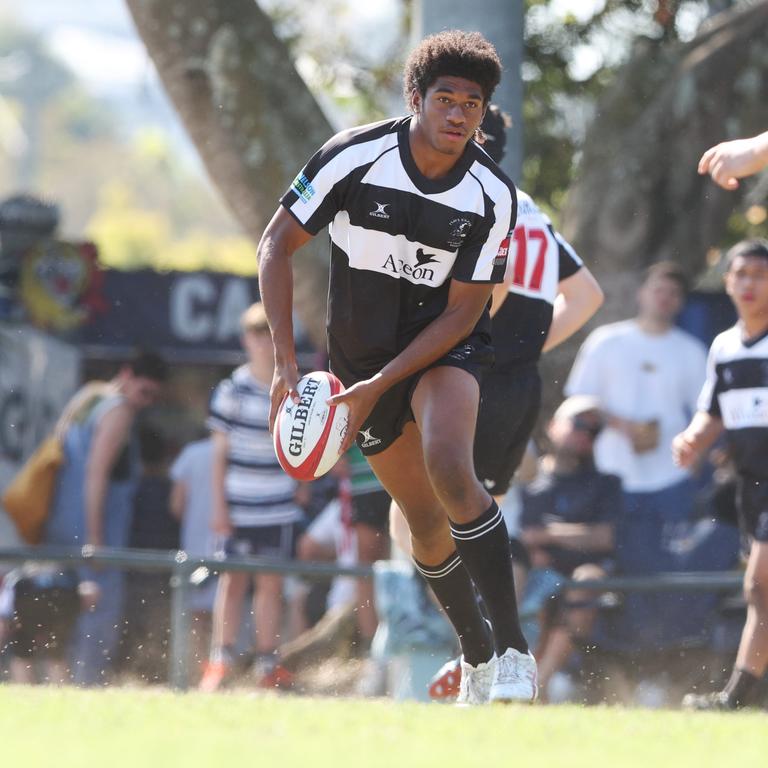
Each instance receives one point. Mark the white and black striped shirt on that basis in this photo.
(258, 492)
(397, 237)
(736, 391)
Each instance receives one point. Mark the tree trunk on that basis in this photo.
(248, 112)
(638, 198)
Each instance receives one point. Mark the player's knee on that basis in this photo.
(454, 482)
(426, 525)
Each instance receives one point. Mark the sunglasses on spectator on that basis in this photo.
(585, 425)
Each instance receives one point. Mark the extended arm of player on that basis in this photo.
(579, 297)
(466, 302)
(282, 237)
(696, 438)
(730, 161)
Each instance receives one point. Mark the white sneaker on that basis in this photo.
(514, 678)
(476, 682)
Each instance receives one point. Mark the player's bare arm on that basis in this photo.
(730, 161)
(579, 297)
(696, 438)
(466, 302)
(282, 237)
(499, 296)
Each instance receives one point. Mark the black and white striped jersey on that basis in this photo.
(397, 237)
(539, 258)
(736, 390)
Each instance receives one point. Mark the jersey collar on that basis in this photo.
(421, 182)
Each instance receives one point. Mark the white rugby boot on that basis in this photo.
(476, 682)
(514, 678)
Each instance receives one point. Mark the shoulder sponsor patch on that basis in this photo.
(303, 188)
(502, 253)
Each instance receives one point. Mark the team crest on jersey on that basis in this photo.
(303, 188)
(380, 211)
(458, 230)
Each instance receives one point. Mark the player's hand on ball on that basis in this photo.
(283, 381)
(360, 399)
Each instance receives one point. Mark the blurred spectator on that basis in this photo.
(148, 597)
(39, 606)
(568, 524)
(646, 375)
(94, 497)
(254, 503)
(370, 519)
(192, 505)
(330, 536)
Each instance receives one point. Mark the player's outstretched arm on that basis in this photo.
(730, 161)
(696, 439)
(579, 297)
(466, 302)
(282, 237)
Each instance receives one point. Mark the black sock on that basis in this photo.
(742, 688)
(484, 548)
(454, 591)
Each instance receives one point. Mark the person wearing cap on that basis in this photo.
(569, 513)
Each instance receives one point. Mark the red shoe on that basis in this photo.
(445, 684)
(215, 676)
(277, 677)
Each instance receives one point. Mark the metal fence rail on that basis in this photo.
(181, 566)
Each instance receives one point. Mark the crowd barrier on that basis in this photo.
(181, 568)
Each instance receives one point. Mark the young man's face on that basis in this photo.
(449, 113)
(660, 299)
(746, 282)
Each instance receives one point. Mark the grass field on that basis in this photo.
(138, 729)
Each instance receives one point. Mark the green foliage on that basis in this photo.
(569, 63)
(135, 236)
(362, 78)
(132, 193)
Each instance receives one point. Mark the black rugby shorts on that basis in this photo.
(393, 411)
(509, 407)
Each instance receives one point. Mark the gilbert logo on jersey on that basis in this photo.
(380, 211)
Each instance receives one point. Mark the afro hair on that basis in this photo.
(454, 53)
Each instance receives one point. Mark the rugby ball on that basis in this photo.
(308, 434)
